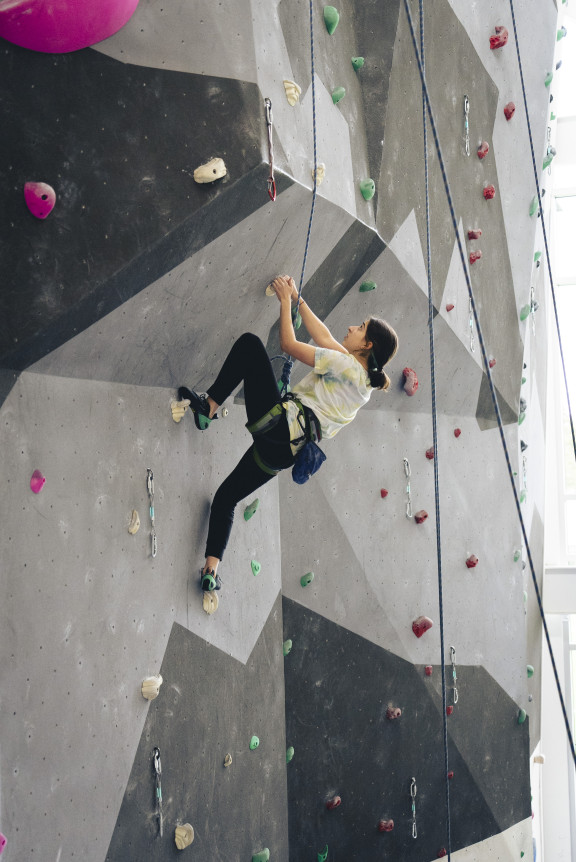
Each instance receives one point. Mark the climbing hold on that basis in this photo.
(331, 18)
(509, 110)
(529, 671)
(338, 94)
(367, 188)
(523, 493)
(289, 753)
(151, 687)
(457, 432)
(251, 509)
(517, 555)
(367, 286)
(2, 842)
(228, 761)
(323, 855)
(483, 150)
(533, 205)
(474, 256)
(552, 115)
(385, 825)
(213, 170)
(561, 33)
(430, 453)
(210, 602)
(537, 255)
(421, 516)
(410, 381)
(489, 192)
(262, 856)
(523, 405)
(492, 362)
(521, 716)
(525, 312)
(307, 579)
(476, 233)
(292, 91)
(383, 493)
(393, 712)
(472, 561)
(256, 567)
(429, 669)
(450, 306)
(37, 481)
(40, 199)
(558, 65)
(548, 158)
(521, 418)
(500, 39)
(357, 63)
(179, 408)
(525, 596)
(320, 173)
(548, 79)
(449, 709)
(442, 852)
(286, 647)
(333, 803)
(421, 625)
(184, 836)
(451, 775)
(254, 743)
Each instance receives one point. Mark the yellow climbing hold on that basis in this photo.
(179, 408)
(292, 91)
(134, 525)
(210, 602)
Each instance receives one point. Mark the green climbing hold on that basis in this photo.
(357, 63)
(524, 312)
(521, 716)
(521, 854)
(561, 33)
(525, 596)
(552, 115)
(323, 856)
(523, 491)
(523, 380)
(547, 161)
(254, 743)
(263, 856)
(338, 94)
(368, 189)
(251, 509)
(256, 567)
(529, 671)
(307, 579)
(517, 555)
(286, 647)
(331, 18)
(521, 419)
(289, 753)
(537, 255)
(533, 205)
(366, 286)
(548, 79)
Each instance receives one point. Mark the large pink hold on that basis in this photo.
(410, 381)
(489, 192)
(37, 481)
(40, 199)
(509, 110)
(59, 26)
(421, 625)
(472, 561)
(500, 39)
(474, 234)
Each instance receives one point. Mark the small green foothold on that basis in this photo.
(521, 716)
(256, 567)
(254, 743)
(524, 312)
(286, 647)
(357, 63)
(522, 492)
(523, 380)
(323, 856)
(263, 856)
(517, 556)
(547, 161)
(561, 33)
(537, 255)
(533, 205)
(251, 509)
(525, 595)
(289, 753)
(521, 419)
(548, 79)
(552, 115)
(368, 189)
(521, 854)
(331, 18)
(366, 286)
(529, 671)
(307, 579)
(338, 94)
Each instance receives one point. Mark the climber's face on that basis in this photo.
(355, 339)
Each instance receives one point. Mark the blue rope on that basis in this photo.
(435, 440)
(489, 376)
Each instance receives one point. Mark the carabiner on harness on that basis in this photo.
(271, 181)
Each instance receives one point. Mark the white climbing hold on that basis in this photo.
(179, 408)
(151, 687)
(184, 836)
(293, 92)
(210, 602)
(215, 169)
(134, 525)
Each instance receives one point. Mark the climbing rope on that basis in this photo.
(488, 374)
(435, 432)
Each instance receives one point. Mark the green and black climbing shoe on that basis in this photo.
(199, 406)
(210, 581)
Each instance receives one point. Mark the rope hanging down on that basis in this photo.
(435, 440)
(489, 375)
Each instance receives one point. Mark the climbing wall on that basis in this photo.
(296, 718)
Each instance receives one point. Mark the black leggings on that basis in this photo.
(248, 362)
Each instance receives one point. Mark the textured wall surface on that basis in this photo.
(138, 282)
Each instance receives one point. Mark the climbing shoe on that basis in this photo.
(199, 406)
(209, 581)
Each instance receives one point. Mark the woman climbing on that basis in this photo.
(343, 377)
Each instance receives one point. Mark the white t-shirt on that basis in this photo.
(335, 390)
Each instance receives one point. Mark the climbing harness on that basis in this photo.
(454, 677)
(408, 473)
(150, 486)
(271, 180)
(158, 780)
(466, 124)
(310, 457)
(413, 792)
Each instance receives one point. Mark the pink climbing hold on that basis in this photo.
(428, 669)
(500, 39)
(430, 453)
(492, 362)
(393, 712)
(421, 625)
(451, 775)
(37, 481)
(383, 493)
(509, 110)
(475, 255)
(411, 381)
(457, 432)
(483, 150)
(450, 306)
(442, 852)
(421, 516)
(333, 803)
(449, 710)
(385, 825)
(474, 234)
(2, 842)
(40, 199)
(472, 561)
(489, 192)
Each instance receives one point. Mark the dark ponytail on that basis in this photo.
(384, 346)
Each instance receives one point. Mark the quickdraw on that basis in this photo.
(454, 677)
(466, 124)
(408, 473)
(158, 778)
(271, 181)
(413, 792)
(150, 486)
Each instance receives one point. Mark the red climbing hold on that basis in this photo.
(37, 481)
(500, 39)
(492, 362)
(40, 199)
(457, 432)
(385, 825)
(450, 306)
(421, 516)
(483, 150)
(333, 803)
(472, 561)
(421, 625)
(430, 453)
(429, 668)
(451, 775)
(475, 255)
(449, 710)
(474, 234)
(411, 381)
(393, 712)
(383, 493)
(489, 192)
(442, 852)
(509, 110)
